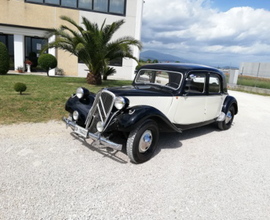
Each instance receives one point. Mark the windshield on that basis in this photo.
(159, 77)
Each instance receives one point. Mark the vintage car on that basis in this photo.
(162, 98)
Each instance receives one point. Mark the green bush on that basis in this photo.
(47, 62)
(20, 87)
(4, 59)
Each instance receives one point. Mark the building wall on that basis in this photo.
(25, 19)
(255, 69)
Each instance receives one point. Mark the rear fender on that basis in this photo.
(230, 100)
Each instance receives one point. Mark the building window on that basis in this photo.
(54, 2)
(117, 6)
(37, 1)
(107, 6)
(69, 3)
(101, 5)
(116, 62)
(85, 4)
(8, 40)
(33, 46)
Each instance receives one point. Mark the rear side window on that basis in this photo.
(195, 83)
(214, 84)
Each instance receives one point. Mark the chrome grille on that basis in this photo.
(100, 110)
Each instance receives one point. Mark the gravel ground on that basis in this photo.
(46, 173)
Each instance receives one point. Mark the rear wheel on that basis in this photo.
(142, 142)
(226, 124)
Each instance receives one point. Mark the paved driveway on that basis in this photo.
(46, 173)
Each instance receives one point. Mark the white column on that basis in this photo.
(18, 51)
(52, 51)
(233, 77)
(138, 28)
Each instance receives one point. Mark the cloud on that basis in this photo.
(193, 28)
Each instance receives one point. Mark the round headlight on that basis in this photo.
(79, 92)
(119, 102)
(75, 115)
(100, 126)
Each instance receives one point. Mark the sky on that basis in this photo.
(212, 32)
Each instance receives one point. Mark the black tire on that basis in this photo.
(227, 123)
(141, 150)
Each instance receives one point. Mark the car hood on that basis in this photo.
(143, 90)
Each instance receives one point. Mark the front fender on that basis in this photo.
(81, 105)
(134, 116)
(230, 100)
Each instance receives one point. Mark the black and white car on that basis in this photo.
(162, 98)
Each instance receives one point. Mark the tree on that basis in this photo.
(155, 61)
(93, 45)
(47, 62)
(4, 59)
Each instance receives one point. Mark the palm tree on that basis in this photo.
(93, 45)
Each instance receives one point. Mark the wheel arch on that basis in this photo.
(230, 101)
(134, 116)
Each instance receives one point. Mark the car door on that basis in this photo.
(215, 97)
(191, 107)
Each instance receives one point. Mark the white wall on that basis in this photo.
(132, 27)
(254, 69)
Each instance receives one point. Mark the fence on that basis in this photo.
(254, 75)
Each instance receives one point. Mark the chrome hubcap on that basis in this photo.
(228, 117)
(145, 141)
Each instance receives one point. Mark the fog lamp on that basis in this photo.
(100, 126)
(75, 115)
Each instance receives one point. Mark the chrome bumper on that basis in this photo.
(95, 137)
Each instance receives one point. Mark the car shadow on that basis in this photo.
(175, 140)
(103, 150)
(166, 141)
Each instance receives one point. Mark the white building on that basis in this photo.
(23, 24)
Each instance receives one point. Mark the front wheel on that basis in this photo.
(142, 142)
(226, 124)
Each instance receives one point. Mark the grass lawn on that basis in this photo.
(44, 98)
(251, 81)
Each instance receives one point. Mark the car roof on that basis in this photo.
(181, 67)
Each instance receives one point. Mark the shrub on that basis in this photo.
(4, 59)
(108, 71)
(47, 62)
(59, 71)
(20, 87)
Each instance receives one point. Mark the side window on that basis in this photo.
(162, 78)
(214, 84)
(195, 83)
(145, 76)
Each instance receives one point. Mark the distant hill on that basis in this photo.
(161, 57)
